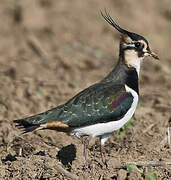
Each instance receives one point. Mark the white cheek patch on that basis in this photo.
(131, 45)
(132, 59)
(131, 55)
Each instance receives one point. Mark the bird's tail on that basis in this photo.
(25, 126)
(46, 120)
(34, 122)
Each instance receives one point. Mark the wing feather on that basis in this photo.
(97, 105)
(100, 103)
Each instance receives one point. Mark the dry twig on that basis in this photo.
(148, 128)
(66, 173)
(55, 165)
(151, 163)
(36, 46)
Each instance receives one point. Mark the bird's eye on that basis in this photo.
(137, 44)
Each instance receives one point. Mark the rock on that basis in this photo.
(134, 175)
(122, 174)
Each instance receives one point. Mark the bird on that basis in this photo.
(105, 106)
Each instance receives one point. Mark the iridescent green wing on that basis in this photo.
(100, 103)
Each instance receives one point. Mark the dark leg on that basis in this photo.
(86, 143)
(103, 139)
(103, 154)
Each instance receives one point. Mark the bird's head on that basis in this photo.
(133, 47)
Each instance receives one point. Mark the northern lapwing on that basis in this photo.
(104, 107)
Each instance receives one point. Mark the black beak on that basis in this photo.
(154, 55)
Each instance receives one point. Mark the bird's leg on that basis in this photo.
(102, 149)
(103, 154)
(86, 143)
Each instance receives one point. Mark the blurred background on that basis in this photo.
(51, 50)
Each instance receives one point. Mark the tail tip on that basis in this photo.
(25, 126)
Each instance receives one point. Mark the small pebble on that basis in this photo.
(122, 174)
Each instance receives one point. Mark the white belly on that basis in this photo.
(107, 128)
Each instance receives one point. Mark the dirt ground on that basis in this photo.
(51, 50)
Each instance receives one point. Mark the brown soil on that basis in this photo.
(49, 51)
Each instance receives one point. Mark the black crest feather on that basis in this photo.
(110, 20)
